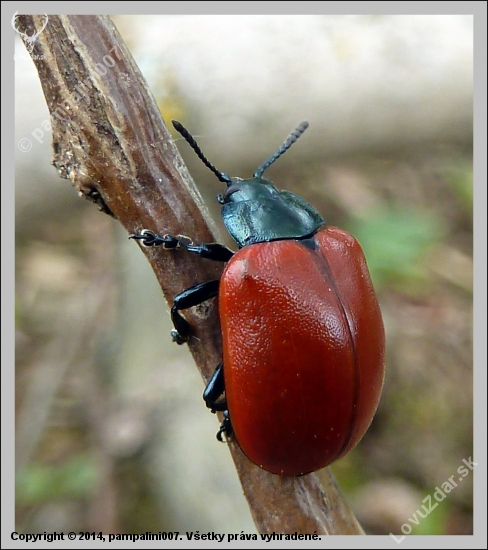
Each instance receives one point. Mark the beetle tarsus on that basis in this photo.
(182, 331)
(211, 251)
(149, 238)
(225, 429)
(215, 402)
(177, 338)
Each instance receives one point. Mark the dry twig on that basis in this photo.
(110, 141)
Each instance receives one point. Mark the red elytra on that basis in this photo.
(303, 350)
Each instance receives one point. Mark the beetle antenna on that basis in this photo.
(194, 145)
(288, 143)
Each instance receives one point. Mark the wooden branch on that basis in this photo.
(110, 141)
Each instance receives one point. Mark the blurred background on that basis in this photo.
(111, 431)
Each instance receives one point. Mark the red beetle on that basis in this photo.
(302, 332)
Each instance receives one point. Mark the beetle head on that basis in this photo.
(253, 210)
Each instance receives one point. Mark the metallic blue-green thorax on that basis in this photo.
(255, 211)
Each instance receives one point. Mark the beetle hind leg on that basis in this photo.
(215, 402)
(225, 428)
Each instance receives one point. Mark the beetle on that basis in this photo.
(302, 333)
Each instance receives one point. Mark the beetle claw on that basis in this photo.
(149, 238)
(225, 429)
(176, 337)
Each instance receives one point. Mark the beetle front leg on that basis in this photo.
(214, 389)
(211, 251)
(188, 298)
(149, 238)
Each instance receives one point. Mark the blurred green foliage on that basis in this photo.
(74, 478)
(460, 179)
(434, 522)
(394, 242)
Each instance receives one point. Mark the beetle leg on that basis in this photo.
(211, 251)
(149, 238)
(215, 388)
(225, 428)
(190, 297)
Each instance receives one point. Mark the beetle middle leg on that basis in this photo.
(190, 297)
(196, 294)
(215, 402)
